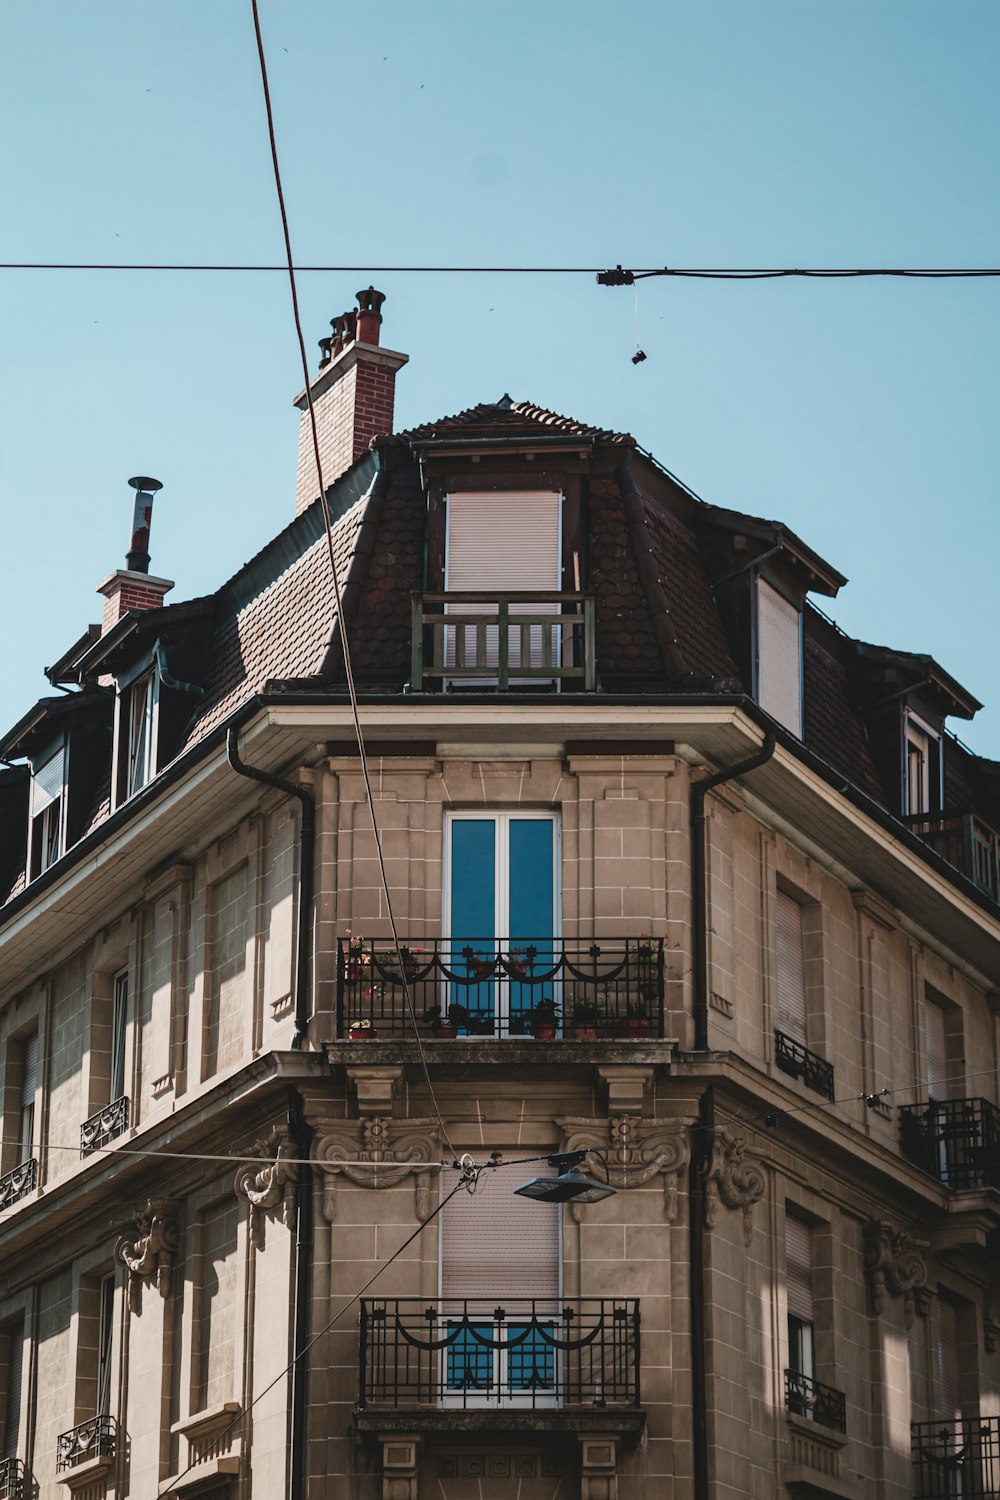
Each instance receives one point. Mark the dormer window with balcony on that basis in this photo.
(47, 815)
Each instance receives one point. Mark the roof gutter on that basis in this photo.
(307, 846)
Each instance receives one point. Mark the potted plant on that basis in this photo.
(519, 961)
(362, 1030)
(647, 962)
(446, 1028)
(356, 960)
(544, 1020)
(637, 1021)
(583, 1020)
(480, 965)
(411, 963)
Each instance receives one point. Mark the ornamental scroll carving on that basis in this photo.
(148, 1254)
(895, 1264)
(265, 1186)
(380, 1153)
(637, 1149)
(731, 1181)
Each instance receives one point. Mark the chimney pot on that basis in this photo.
(137, 557)
(369, 315)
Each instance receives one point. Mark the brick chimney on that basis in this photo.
(134, 587)
(352, 396)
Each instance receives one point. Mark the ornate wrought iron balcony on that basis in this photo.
(18, 1183)
(487, 641)
(958, 1459)
(965, 841)
(805, 1397)
(11, 1479)
(571, 1351)
(95, 1438)
(101, 1128)
(501, 987)
(957, 1141)
(798, 1062)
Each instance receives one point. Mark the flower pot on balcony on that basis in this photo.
(481, 969)
(638, 1026)
(361, 1031)
(516, 968)
(543, 1031)
(585, 1031)
(445, 1030)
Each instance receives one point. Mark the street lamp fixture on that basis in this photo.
(571, 1182)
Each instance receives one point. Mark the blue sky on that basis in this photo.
(778, 132)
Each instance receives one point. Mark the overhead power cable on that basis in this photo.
(615, 276)
(331, 554)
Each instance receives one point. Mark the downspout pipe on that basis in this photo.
(704, 1134)
(307, 848)
(302, 1136)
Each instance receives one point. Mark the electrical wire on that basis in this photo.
(328, 526)
(708, 273)
(469, 1183)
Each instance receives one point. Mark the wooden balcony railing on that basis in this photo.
(965, 841)
(488, 641)
(957, 1459)
(474, 1352)
(955, 1140)
(501, 987)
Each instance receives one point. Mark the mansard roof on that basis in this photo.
(508, 419)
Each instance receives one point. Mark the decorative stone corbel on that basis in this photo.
(991, 1324)
(732, 1182)
(895, 1264)
(379, 1153)
(636, 1149)
(149, 1253)
(266, 1186)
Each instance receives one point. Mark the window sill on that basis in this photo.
(201, 1476)
(816, 1431)
(80, 1476)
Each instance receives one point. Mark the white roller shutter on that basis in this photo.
(29, 1088)
(48, 777)
(779, 657)
(495, 1245)
(935, 1047)
(503, 543)
(798, 1270)
(791, 966)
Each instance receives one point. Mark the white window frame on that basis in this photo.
(27, 1108)
(117, 1060)
(922, 737)
(132, 772)
(761, 689)
(50, 818)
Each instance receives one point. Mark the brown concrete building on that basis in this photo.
(683, 877)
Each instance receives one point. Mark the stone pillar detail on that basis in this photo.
(399, 1466)
(379, 1153)
(148, 1254)
(635, 1149)
(895, 1265)
(265, 1186)
(731, 1181)
(598, 1467)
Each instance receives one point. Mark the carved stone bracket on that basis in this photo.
(731, 1181)
(895, 1264)
(637, 1149)
(380, 1153)
(265, 1186)
(148, 1253)
(991, 1324)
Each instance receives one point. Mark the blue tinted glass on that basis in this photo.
(473, 914)
(530, 1363)
(470, 1365)
(531, 903)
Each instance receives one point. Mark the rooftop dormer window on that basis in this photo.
(47, 815)
(922, 766)
(778, 656)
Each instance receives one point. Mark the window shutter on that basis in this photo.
(48, 778)
(119, 1013)
(948, 1369)
(937, 1051)
(504, 543)
(14, 1349)
(791, 968)
(29, 1088)
(779, 657)
(497, 1245)
(798, 1269)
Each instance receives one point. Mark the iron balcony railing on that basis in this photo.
(798, 1062)
(18, 1183)
(103, 1126)
(957, 1459)
(502, 987)
(11, 1479)
(92, 1439)
(520, 638)
(955, 1140)
(806, 1397)
(965, 841)
(477, 1352)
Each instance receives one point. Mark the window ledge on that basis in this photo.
(208, 1423)
(826, 1436)
(813, 1486)
(82, 1475)
(201, 1476)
